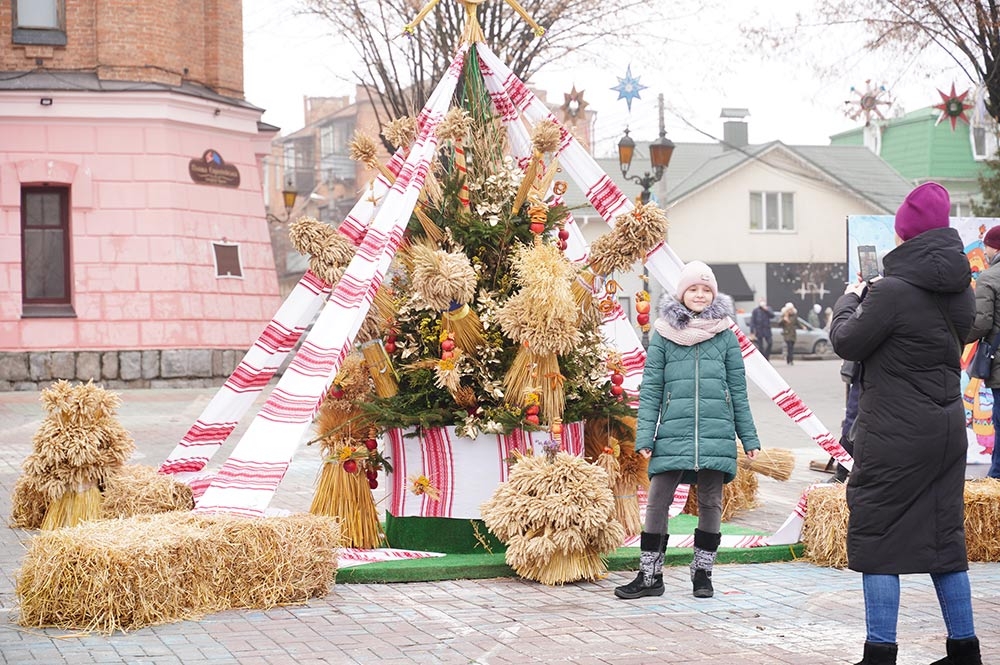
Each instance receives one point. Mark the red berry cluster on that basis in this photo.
(617, 379)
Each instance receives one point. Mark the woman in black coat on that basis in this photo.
(905, 491)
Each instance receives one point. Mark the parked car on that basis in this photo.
(808, 339)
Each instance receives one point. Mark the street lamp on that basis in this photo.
(288, 196)
(660, 152)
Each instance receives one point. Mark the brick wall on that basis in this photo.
(166, 41)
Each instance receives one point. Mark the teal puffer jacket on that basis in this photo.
(693, 403)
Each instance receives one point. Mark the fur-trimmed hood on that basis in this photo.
(676, 315)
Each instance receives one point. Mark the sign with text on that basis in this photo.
(211, 169)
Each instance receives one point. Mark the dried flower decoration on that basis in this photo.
(422, 485)
(400, 132)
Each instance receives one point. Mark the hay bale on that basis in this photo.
(982, 519)
(137, 489)
(740, 494)
(110, 575)
(824, 530)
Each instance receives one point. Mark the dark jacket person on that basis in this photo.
(905, 491)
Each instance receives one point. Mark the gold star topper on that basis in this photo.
(573, 106)
(473, 32)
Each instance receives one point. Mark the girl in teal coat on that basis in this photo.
(692, 405)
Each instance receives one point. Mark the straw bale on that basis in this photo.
(982, 519)
(739, 494)
(824, 531)
(136, 489)
(124, 574)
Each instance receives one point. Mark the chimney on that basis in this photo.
(734, 128)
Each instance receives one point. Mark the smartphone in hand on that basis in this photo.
(868, 260)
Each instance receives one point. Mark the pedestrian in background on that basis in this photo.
(987, 324)
(789, 326)
(692, 405)
(813, 316)
(905, 491)
(760, 327)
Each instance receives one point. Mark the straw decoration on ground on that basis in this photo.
(634, 235)
(137, 489)
(346, 480)
(982, 519)
(777, 463)
(78, 445)
(739, 494)
(556, 519)
(824, 530)
(114, 575)
(615, 439)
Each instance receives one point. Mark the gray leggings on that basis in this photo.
(661, 495)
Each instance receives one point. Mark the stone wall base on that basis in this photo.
(150, 368)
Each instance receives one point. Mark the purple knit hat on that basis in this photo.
(926, 207)
(992, 238)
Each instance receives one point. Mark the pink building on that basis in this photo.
(133, 244)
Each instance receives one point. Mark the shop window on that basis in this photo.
(45, 256)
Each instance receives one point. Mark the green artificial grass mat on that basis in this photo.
(484, 564)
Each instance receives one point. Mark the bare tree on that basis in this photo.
(399, 71)
(967, 31)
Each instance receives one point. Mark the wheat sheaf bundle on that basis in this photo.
(545, 136)
(442, 278)
(329, 251)
(777, 463)
(78, 445)
(455, 126)
(543, 315)
(634, 235)
(400, 132)
(556, 519)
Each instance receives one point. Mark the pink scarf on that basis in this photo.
(697, 330)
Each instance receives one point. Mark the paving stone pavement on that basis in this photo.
(791, 613)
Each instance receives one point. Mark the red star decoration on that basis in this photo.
(953, 106)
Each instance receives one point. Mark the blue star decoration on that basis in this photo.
(628, 88)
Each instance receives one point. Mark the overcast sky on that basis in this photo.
(701, 67)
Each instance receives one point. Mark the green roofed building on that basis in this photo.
(920, 148)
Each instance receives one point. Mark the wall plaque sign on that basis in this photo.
(211, 169)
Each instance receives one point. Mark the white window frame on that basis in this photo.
(769, 212)
(989, 140)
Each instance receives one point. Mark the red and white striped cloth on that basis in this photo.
(249, 478)
(268, 352)
(464, 472)
(348, 557)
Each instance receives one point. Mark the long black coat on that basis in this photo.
(905, 490)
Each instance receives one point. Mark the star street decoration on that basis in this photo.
(573, 106)
(867, 102)
(628, 88)
(953, 107)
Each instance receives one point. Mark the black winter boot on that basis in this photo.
(961, 652)
(649, 581)
(706, 546)
(879, 653)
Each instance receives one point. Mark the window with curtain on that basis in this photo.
(45, 257)
(772, 211)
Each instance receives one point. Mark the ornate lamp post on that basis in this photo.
(288, 196)
(660, 152)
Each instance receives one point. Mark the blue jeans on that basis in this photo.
(882, 605)
(994, 471)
